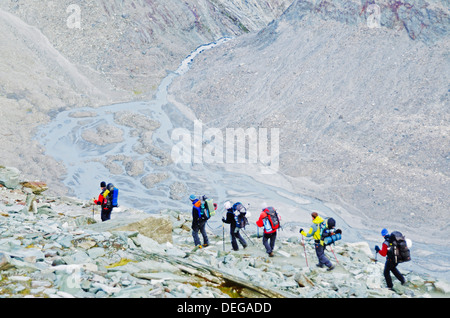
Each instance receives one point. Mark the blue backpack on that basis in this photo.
(328, 240)
(113, 195)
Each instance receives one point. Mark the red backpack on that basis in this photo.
(273, 217)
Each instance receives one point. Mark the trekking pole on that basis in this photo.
(304, 248)
(334, 255)
(93, 205)
(248, 237)
(223, 236)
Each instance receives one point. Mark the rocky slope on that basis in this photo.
(57, 247)
(362, 107)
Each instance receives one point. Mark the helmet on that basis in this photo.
(384, 232)
(192, 197)
(227, 205)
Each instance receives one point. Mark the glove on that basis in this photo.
(223, 220)
(338, 231)
(377, 249)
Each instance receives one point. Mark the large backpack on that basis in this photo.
(208, 207)
(333, 237)
(240, 213)
(399, 250)
(113, 195)
(272, 222)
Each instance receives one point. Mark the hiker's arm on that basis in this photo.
(310, 232)
(384, 250)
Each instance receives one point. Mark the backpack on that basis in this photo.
(328, 240)
(399, 250)
(208, 208)
(113, 195)
(272, 221)
(240, 215)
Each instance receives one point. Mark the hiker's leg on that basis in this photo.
(241, 239)
(397, 274)
(203, 231)
(195, 229)
(233, 237)
(320, 252)
(272, 241)
(387, 274)
(266, 237)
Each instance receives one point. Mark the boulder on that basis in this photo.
(37, 187)
(156, 228)
(9, 177)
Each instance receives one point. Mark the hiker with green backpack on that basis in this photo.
(202, 209)
(395, 250)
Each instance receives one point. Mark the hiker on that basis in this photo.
(234, 229)
(315, 232)
(198, 221)
(391, 264)
(106, 206)
(270, 221)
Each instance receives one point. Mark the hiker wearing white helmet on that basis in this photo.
(234, 228)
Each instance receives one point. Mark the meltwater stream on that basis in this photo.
(129, 144)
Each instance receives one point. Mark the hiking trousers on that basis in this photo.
(106, 214)
(236, 235)
(199, 226)
(320, 252)
(269, 241)
(389, 267)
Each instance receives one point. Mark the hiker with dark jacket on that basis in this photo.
(198, 222)
(315, 232)
(106, 206)
(234, 229)
(390, 265)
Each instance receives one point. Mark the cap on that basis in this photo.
(384, 232)
(102, 184)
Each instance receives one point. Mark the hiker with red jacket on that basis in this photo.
(390, 265)
(270, 221)
(103, 201)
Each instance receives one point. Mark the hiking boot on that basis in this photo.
(271, 254)
(205, 245)
(319, 265)
(331, 267)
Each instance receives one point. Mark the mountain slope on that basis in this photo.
(362, 111)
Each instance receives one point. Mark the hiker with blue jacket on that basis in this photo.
(198, 221)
